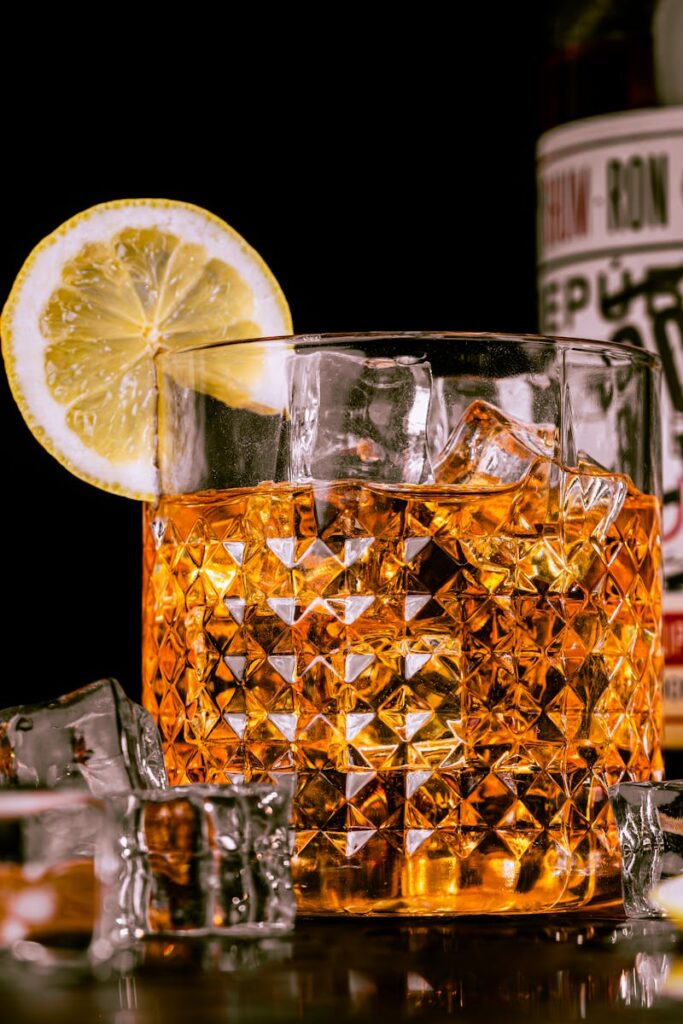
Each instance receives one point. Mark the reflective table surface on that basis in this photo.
(467, 969)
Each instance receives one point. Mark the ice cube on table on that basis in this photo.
(358, 417)
(488, 448)
(196, 860)
(649, 817)
(95, 736)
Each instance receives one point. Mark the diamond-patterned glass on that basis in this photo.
(455, 676)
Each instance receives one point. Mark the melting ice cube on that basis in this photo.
(95, 734)
(488, 448)
(197, 860)
(649, 817)
(358, 417)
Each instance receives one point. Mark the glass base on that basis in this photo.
(488, 881)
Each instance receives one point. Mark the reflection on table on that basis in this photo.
(473, 969)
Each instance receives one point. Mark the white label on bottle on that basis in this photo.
(610, 245)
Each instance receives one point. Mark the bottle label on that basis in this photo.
(610, 267)
(673, 673)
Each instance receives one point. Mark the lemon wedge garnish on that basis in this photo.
(99, 297)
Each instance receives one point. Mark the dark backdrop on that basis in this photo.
(391, 189)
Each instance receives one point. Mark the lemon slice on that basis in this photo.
(99, 297)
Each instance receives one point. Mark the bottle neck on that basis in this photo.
(610, 56)
(598, 77)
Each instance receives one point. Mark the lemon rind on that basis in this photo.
(251, 260)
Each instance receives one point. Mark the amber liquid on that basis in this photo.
(456, 676)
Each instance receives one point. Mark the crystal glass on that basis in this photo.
(422, 571)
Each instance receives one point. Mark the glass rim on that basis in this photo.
(632, 353)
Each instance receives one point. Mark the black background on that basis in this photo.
(388, 187)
